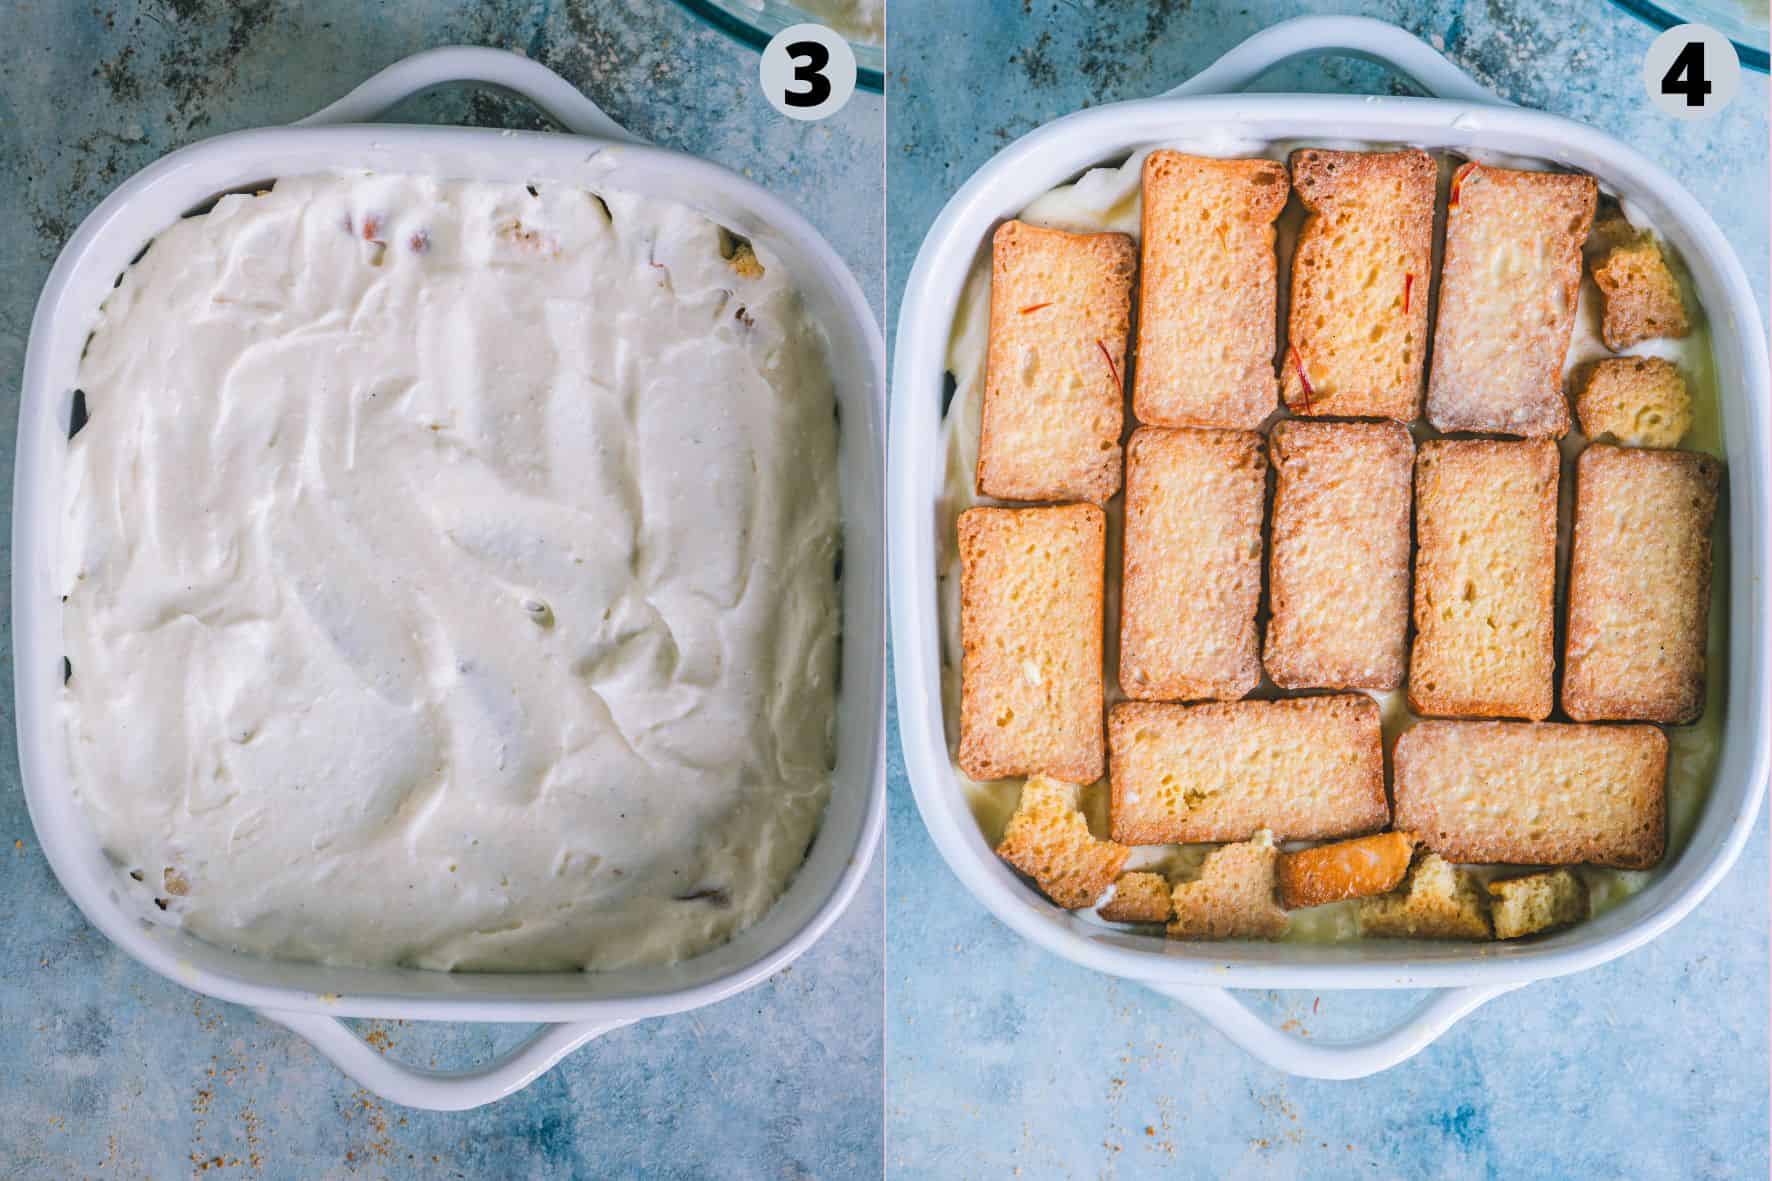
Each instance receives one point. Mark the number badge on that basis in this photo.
(1692, 71)
(807, 72)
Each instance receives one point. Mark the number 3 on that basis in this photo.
(809, 58)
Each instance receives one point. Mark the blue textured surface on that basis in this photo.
(1002, 1059)
(111, 1071)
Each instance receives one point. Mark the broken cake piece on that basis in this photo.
(1049, 840)
(1233, 898)
(1437, 901)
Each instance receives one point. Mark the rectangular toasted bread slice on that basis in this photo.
(1030, 637)
(1346, 869)
(1054, 401)
(1509, 283)
(1308, 768)
(1485, 579)
(1138, 898)
(1208, 294)
(1640, 401)
(1191, 581)
(1537, 902)
(1049, 840)
(1357, 331)
(1639, 585)
(1338, 569)
(1519, 793)
(1233, 898)
(1641, 295)
(1439, 901)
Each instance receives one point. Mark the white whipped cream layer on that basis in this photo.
(450, 575)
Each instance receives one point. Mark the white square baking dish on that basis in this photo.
(1463, 118)
(309, 997)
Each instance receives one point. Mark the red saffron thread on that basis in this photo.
(1034, 307)
(1458, 178)
(1408, 282)
(1112, 368)
(1298, 364)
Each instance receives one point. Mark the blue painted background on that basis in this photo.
(1003, 1060)
(110, 1071)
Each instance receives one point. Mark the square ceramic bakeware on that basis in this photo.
(309, 998)
(1463, 117)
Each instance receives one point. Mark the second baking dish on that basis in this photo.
(1464, 120)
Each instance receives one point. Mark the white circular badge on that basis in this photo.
(807, 72)
(1692, 72)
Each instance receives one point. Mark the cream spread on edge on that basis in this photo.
(450, 576)
(1109, 199)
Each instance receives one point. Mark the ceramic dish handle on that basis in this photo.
(1333, 1060)
(435, 1090)
(495, 69)
(1353, 36)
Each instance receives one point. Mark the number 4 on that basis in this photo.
(1686, 75)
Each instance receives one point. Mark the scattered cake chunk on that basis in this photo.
(1437, 901)
(1054, 402)
(1641, 295)
(1307, 768)
(1538, 902)
(1360, 274)
(1049, 840)
(1031, 638)
(1192, 564)
(1138, 898)
(1640, 401)
(1517, 793)
(1233, 898)
(1639, 585)
(1347, 869)
(1508, 292)
(1208, 295)
(1338, 568)
(1485, 579)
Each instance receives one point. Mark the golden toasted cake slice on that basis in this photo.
(1192, 564)
(1233, 898)
(1508, 288)
(1346, 869)
(1054, 402)
(1338, 568)
(1208, 296)
(1358, 326)
(1048, 839)
(1438, 901)
(1138, 898)
(1641, 295)
(1518, 793)
(1307, 768)
(1640, 401)
(1031, 636)
(1538, 902)
(1485, 579)
(1639, 585)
